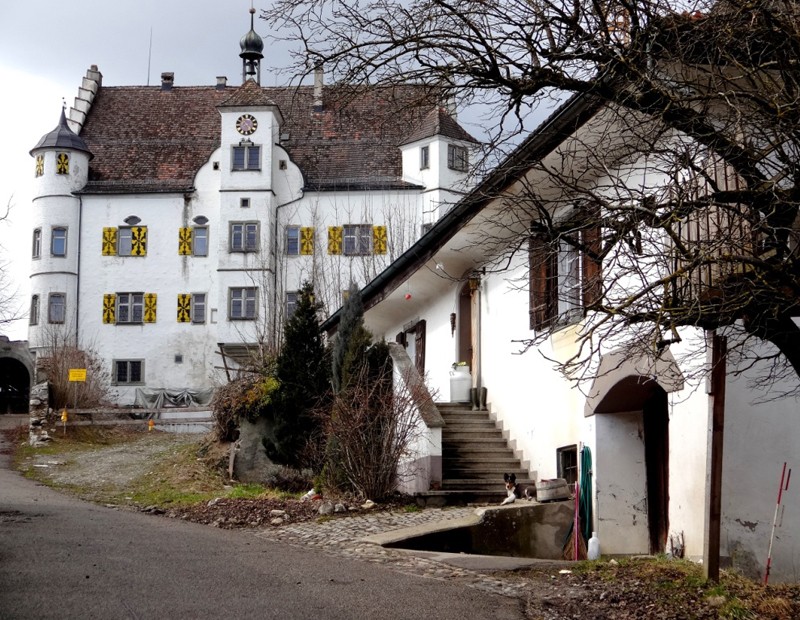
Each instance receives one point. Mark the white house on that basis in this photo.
(173, 225)
(466, 296)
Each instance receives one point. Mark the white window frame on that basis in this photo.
(292, 297)
(293, 240)
(36, 250)
(424, 157)
(132, 306)
(357, 239)
(243, 236)
(242, 303)
(33, 317)
(251, 157)
(196, 250)
(55, 234)
(569, 293)
(197, 310)
(125, 241)
(53, 308)
(129, 365)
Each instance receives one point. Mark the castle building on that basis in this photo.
(174, 225)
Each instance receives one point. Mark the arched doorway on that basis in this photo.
(632, 456)
(15, 383)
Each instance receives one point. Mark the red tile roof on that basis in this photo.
(145, 139)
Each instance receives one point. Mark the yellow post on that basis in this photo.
(64, 420)
(150, 425)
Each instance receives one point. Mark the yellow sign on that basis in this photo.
(77, 374)
(64, 416)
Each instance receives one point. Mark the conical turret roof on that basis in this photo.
(62, 137)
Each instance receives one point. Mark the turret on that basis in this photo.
(61, 168)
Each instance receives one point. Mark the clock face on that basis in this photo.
(246, 124)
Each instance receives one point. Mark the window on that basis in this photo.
(567, 463)
(357, 239)
(563, 280)
(132, 241)
(570, 293)
(200, 241)
(34, 315)
(293, 240)
(56, 308)
(291, 303)
(37, 243)
(128, 371)
(244, 237)
(130, 308)
(62, 163)
(246, 157)
(242, 304)
(198, 308)
(58, 242)
(457, 157)
(244, 203)
(424, 157)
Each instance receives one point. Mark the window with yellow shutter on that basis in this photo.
(307, 240)
(109, 241)
(335, 239)
(109, 308)
(379, 240)
(150, 307)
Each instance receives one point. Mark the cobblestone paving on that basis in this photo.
(342, 536)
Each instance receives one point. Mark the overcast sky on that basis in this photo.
(46, 48)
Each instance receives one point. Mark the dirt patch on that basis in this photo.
(240, 513)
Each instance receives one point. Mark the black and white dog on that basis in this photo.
(516, 491)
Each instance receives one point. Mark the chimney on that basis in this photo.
(167, 78)
(319, 82)
(222, 82)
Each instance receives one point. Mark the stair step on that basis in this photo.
(468, 421)
(460, 452)
(462, 484)
(502, 467)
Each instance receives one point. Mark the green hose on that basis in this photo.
(585, 505)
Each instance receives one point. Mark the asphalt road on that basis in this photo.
(63, 558)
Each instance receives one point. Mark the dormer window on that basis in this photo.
(424, 158)
(457, 158)
(246, 156)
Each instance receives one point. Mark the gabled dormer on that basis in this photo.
(439, 155)
(250, 126)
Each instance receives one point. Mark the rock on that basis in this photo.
(212, 502)
(368, 505)
(276, 522)
(613, 562)
(326, 508)
(340, 508)
(277, 513)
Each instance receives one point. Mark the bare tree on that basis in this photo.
(9, 306)
(681, 178)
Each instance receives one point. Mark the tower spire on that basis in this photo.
(251, 45)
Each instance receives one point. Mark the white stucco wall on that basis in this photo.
(762, 431)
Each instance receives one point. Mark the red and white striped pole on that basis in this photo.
(784, 486)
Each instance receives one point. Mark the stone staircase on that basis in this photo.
(475, 455)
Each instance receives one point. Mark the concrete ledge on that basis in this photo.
(529, 530)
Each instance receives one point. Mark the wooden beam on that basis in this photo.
(719, 349)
